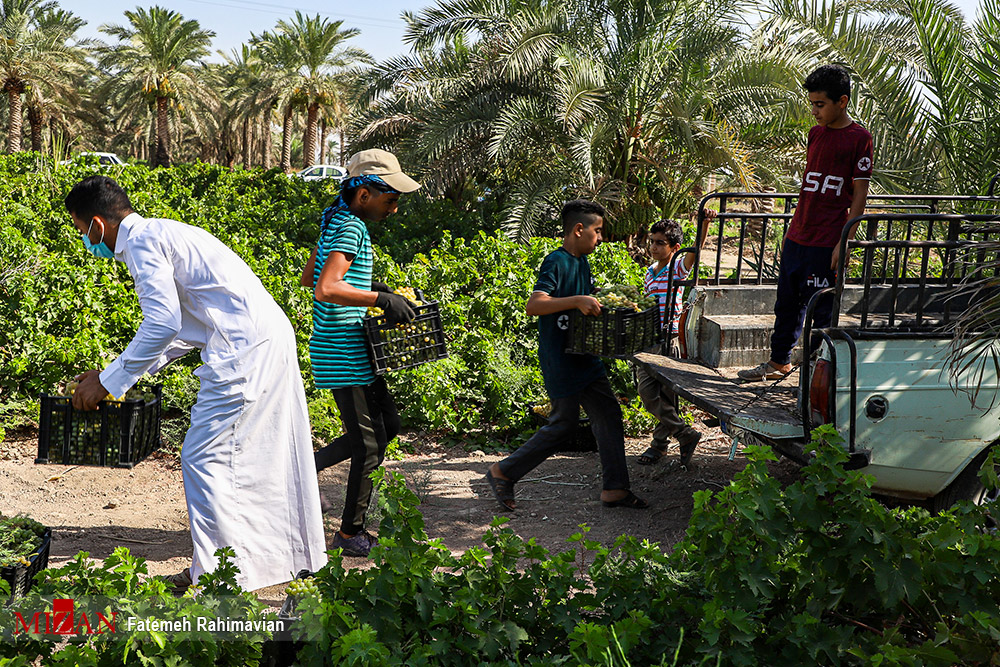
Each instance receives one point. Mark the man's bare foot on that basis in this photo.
(612, 495)
(497, 473)
(502, 487)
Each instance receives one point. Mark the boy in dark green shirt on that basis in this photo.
(571, 380)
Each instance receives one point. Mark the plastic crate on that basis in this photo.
(393, 347)
(21, 577)
(616, 333)
(281, 649)
(118, 433)
(583, 439)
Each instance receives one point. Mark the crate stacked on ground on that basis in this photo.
(119, 433)
(24, 552)
(628, 323)
(396, 346)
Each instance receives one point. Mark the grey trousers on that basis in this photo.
(661, 403)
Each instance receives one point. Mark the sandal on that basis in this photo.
(650, 456)
(631, 501)
(179, 582)
(503, 491)
(688, 445)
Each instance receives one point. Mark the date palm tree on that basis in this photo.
(626, 102)
(321, 56)
(34, 54)
(56, 95)
(276, 89)
(157, 62)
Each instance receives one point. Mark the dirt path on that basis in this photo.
(97, 509)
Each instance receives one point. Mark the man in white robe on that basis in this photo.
(247, 460)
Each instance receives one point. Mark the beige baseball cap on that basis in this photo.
(383, 164)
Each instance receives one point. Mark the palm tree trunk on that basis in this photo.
(162, 158)
(312, 121)
(343, 148)
(14, 109)
(247, 138)
(36, 118)
(322, 141)
(286, 141)
(265, 157)
(151, 144)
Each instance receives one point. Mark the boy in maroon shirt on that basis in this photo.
(834, 189)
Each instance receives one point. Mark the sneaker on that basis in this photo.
(688, 440)
(763, 372)
(358, 546)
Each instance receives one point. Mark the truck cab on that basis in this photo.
(909, 382)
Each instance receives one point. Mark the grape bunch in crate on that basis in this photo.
(394, 347)
(629, 297)
(629, 322)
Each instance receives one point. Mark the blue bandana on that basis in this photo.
(350, 183)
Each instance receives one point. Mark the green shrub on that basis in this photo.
(121, 584)
(421, 224)
(71, 312)
(816, 573)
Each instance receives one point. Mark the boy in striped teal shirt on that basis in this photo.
(340, 273)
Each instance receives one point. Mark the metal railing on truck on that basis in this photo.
(904, 295)
(759, 233)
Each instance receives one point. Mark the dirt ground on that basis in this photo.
(97, 509)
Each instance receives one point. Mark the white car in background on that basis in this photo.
(319, 172)
(102, 158)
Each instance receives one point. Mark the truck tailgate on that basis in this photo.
(760, 407)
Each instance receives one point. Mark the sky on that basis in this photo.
(234, 20)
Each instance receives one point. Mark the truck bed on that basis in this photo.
(769, 408)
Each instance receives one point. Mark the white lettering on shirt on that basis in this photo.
(835, 183)
(811, 183)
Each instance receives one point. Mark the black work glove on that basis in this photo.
(398, 309)
(380, 287)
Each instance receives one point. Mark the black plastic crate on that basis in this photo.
(616, 332)
(21, 577)
(281, 649)
(118, 433)
(582, 440)
(393, 347)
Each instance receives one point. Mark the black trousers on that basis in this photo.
(605, 413)
(371, 420)
(804, 270)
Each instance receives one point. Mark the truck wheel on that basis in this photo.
(967, 485)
